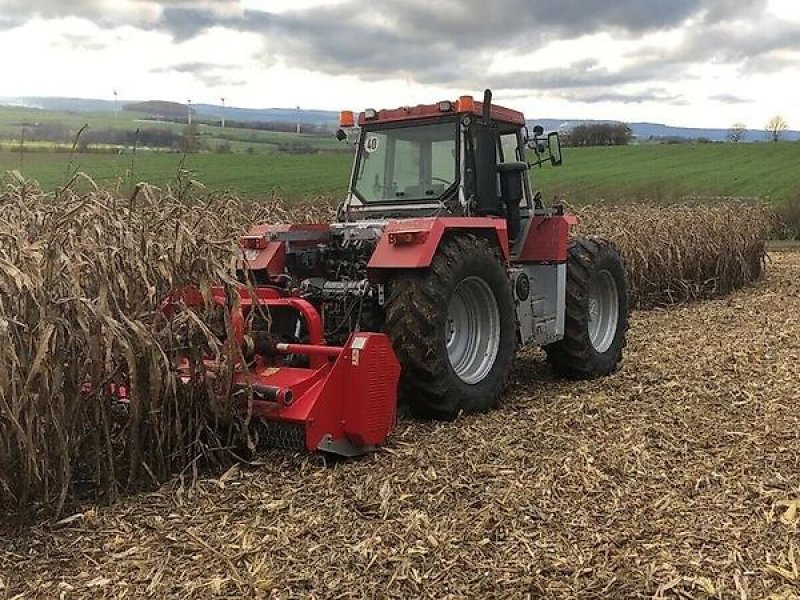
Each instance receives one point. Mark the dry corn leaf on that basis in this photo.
(790, 515)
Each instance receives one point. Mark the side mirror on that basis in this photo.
(554, 149)
(538, 131)
(349, 135)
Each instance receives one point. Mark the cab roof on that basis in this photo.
(464, 105)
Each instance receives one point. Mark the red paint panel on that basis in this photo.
(415, 256)
(273, 256)
(354, 398)
(548, 238)
(370, 404)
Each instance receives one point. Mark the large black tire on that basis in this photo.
(594, 264)
(420, 324)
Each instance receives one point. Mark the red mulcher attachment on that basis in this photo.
(341, 400)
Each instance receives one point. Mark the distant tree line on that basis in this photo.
(46, 132)
(674, 140)
(599, 134)
(60, 133)
(281, 126)
(150, 138)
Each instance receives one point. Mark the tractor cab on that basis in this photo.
(462, 158)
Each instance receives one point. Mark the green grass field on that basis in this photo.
(12, 120)
(256, 167)
(668, 172)
(252, 175)
(655, 173)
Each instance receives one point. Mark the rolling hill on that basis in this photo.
(642, 131)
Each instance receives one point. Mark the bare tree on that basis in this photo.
(776, 126)
(737, 132)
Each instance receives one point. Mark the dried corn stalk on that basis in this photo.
(82, 278)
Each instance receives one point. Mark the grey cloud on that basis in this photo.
(83, 42)
(130, 12)
(212, 75)
(729, 99)
(767, 64)
(185, 23)
(586, 74)
(193, 68)
(13, 9)
(452, 42)
(753, 49)
(8, 21)
(221, 81)
(726, 10)
(657, 96)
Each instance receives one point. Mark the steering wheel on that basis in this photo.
(441, 180)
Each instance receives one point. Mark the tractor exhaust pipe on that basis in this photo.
(487, 106)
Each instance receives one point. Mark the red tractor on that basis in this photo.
(443, 261)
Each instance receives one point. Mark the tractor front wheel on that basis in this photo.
(453, 328)
(596, 318)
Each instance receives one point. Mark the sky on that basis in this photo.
(696, 63)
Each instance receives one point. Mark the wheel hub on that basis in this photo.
(603, 311)
(473, 330)
(594, 309)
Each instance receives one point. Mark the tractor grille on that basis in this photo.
(281, 435)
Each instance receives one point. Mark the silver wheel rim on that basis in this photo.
(603, 311)
(473, 330)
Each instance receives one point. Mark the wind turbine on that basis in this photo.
(222, 98)
(189, 112)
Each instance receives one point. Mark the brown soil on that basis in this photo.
(677, 477)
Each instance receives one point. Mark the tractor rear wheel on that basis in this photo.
(596, 318)
(453, 328)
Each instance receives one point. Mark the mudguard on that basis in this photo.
(412, 243)
(546, 239)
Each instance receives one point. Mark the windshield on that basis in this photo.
(407, 163)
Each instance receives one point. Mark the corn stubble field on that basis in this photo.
(676, 477)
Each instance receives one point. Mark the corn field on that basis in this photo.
(680, 253)
(82, 280)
